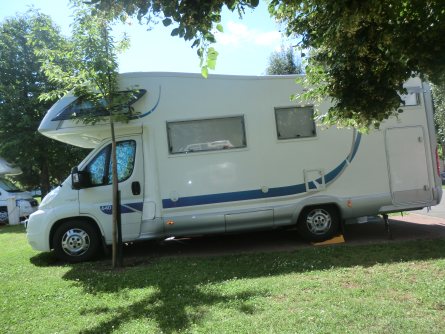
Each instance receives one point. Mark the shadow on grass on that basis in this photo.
(180, 289)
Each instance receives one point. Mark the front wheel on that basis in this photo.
(318, 224)
(76, 241)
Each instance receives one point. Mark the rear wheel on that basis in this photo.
(76, 241)
(319, 223)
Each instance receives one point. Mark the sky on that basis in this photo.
(244, 47)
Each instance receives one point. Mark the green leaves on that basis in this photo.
(360, 54)
(175, 32)
(205, 71)
(23, 40)
(195, 20)
(212, 56)
(87, 65)
(166, 22)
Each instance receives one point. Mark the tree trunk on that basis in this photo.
(45, 185)
(115, 191)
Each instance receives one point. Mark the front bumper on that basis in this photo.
(37, 231)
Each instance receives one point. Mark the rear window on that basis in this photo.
(295, 122)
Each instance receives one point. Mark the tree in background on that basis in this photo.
(439, 115)
(284, 62)
(44, 162)
(359, 52)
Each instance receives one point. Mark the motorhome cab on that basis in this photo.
(231, 154)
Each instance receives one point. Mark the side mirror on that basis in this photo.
(80, 179)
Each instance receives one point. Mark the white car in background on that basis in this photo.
(24, 202)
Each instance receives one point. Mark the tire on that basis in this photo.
(76, 241)
(319, 223)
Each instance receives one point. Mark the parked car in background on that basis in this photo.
(24, 201)
(26, 204)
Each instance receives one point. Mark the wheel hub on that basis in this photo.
(318, 221)
(75, 242)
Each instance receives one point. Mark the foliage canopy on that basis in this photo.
(359, 52)
(194, 20)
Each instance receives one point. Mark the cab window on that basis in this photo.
(100, 168)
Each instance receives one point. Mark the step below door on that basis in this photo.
(408, 165)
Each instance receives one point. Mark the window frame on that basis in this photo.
(182, 153)
(279, 137)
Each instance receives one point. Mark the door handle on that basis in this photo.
(136, 188)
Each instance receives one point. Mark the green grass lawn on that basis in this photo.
(394, 287)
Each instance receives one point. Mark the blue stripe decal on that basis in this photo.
(135, 206)
(125, 208)
(332, 175)
(358, 138)
(273, 192)
(233, 196)
(151, 110)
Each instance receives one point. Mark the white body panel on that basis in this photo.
(264, 184)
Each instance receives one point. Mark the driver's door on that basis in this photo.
(96, 200)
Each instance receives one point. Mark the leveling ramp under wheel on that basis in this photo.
(339, 239)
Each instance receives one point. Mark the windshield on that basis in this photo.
(8, 186)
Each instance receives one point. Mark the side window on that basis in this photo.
(125, 154)
(295, 122)
(83, 107)
(206, 135)
(97, 169)
(100, 167)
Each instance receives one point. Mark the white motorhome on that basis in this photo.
(231, 154)
(13, 197)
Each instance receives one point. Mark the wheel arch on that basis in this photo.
(60, 222)
(317, 201)
(331, 205)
